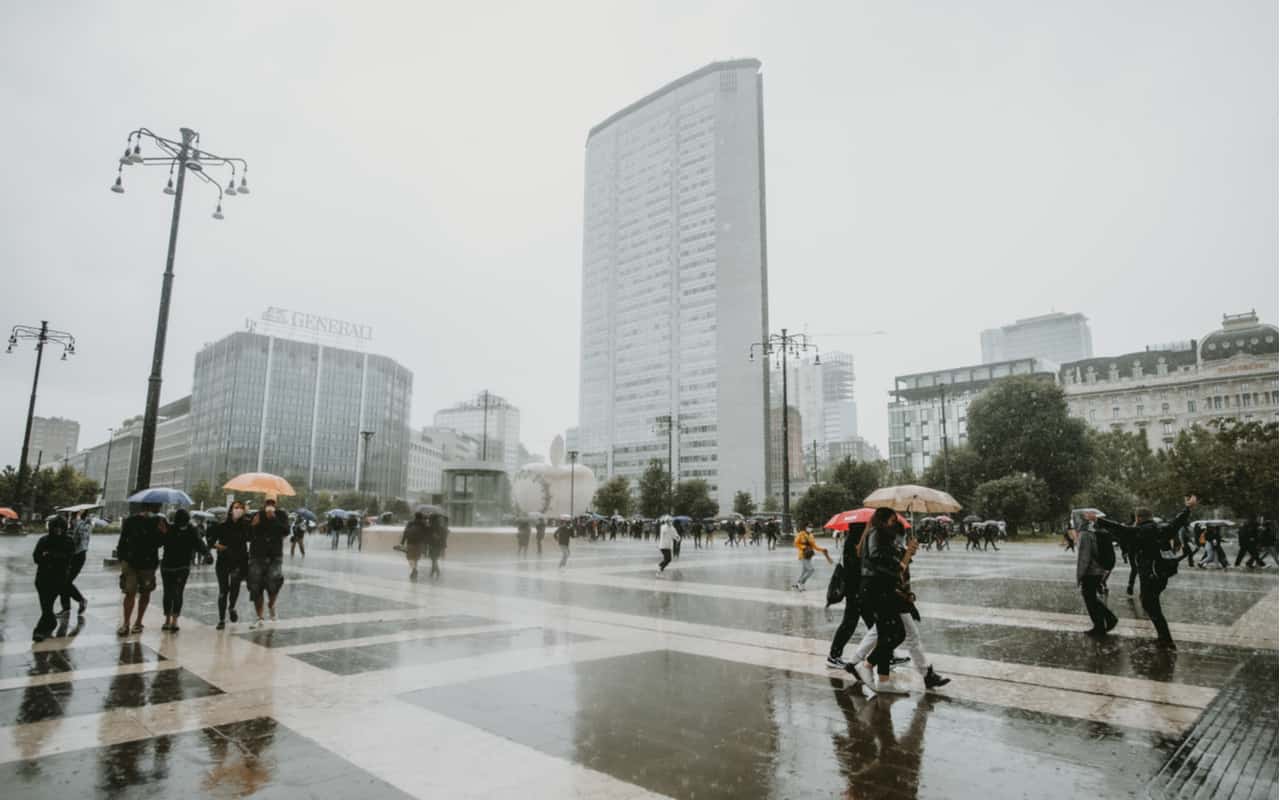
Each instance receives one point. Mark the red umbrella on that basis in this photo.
(8, 513)
(842, 521)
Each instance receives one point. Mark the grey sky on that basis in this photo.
(932, 169)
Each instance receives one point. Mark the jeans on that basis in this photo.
(806, 571)
(175, 584)
(666, 558)
(69, 591)
(1152, 586)
(48, 589)
(848, 624)
(229, 578)
(1101, 616)
(564, 554)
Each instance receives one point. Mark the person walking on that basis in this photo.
(267, 533)
(883, 563)
(851, 574)
(53, 555)
(1213, 545)
(540, 533)
(1155, 548)
(138, 550)
(81, 533)
(1068, 537)
(667, 536)
(414, 540)
(522, 538)
(297, 536)
(230, 539)
(180, 542)
(336, 525)
(1095, 558)
(806, 548)
(438, 524)
(563, 535)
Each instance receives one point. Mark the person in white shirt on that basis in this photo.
(667, 537)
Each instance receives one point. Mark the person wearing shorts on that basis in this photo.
(267, 533)
(139, 554)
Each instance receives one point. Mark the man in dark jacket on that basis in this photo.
(139, 552)
(1091, 572)
(52, 556)
(851, 571)
(563, 534)
(1154, 547)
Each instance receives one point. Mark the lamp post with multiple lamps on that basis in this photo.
(42, 336)
(782, 345)
(181, 156)
(573, 474)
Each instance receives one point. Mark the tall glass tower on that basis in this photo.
(674, 284)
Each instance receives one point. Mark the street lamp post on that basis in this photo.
(106, 471)
(364, 469)
(671, 425)
(785, 344)
(42, 336)
(573, 474)
(184, 156)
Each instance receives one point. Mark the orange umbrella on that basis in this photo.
(261, 482)
(8, 513)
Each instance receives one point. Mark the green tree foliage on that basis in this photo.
(848, 485)
(655, 490)
(322, 502)
(1126, 459)
(771, 505)
(1016, 499)
(53, 488)
(1228, 463)
(399, 508)
(1108, 495)
(693, 498)
(963, 474)
(1020, 425)
(349, 501)
(614, 497)
(743, 504)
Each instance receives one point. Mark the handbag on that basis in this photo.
(835, 586)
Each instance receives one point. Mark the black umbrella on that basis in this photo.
(973, 518)
(427, 510)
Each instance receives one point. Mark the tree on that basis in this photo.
(859, 478)
(1126, 459)
(1016, 499)
(1228, 463)
(399, 508)
(963, 473)
(655, 490)
(693, 499)
(1110, 496)
(202, 495)
(821, 502)
(1020, 425)
(743, 504)
(771, 505)
(614, 497)
(52, 488)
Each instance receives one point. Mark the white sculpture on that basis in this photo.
(546, 488)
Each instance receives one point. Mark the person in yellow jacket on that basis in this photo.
(806, 546)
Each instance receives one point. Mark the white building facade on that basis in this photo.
(821, 391)
(491, 421)
(1162, 391)
(52, 439)
(1054, 337)
(430, 450)
(674, 287)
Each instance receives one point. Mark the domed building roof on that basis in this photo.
(1240, 333)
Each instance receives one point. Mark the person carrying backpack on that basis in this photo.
(1156, 549)
(1095, 558)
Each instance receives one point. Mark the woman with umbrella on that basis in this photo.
(416, 536)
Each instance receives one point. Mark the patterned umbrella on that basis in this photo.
(912, 499)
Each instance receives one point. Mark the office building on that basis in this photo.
(1051, 337)
(262, 402)
(856, 449)
(52, 439)
(923, 400)
(432, 449)
(1163, 390)
(674, 287)
(491, 421)
(821, 390)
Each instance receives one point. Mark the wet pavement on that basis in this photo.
(513, 678)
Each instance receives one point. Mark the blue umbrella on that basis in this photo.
(161, 496)
(682, 519)
(335, 512)
(307, 514)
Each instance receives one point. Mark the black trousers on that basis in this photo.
(1151, 588)
(1101, 616)
(69, 591)
(175, 585)
(1133, 570)
(230, 576)
(890, 632)
(666, 558)
(48, 589)
(848, 624)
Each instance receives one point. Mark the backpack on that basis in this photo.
(1106, 550)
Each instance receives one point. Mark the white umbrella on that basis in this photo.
(911, 498)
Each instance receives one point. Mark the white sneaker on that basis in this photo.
(889, 685)
(273, 615)
(864, 674)
(261, 623)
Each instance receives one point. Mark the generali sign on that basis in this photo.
(315, 323)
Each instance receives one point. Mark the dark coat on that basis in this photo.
(234, 536)
(53, 557)
(1146, 539)
(179, 545)
(139, 544)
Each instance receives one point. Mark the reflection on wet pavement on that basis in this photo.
(367, 658)
(89, 695)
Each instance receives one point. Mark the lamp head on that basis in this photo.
(136, 156)
(244, 186)
(168, 189)
(118, 186)
(217, 212)
(231, 187)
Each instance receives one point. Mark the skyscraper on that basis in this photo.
(674, 284)
(52, 438)
(492, 422)
(1054, 337)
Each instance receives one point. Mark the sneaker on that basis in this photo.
(234, 616)
(835, 662)
(659, 574)
(273, 615)
(933, 680)
(173, 628)
(38, 637)
(896, 660)
(83, 605)
(1114, 622)
(123, 630)
(862, 673)
(66, 612)
(222, 624)
(137, 627)
(261, 623)
(795, 586)
(164, 627)
(888, 685)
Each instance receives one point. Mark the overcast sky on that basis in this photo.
(932, 168)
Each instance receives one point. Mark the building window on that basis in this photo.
(1191, 406)
(1168, 429)
(1093, 415)
(1115, 412)
(1141, 410)
(1164, 408)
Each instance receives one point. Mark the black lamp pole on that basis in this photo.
(106, 471)
(42, 336)
(573, 463)
(785, 344)
(185, 156)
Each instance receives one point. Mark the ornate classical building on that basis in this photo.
(1162, 390)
